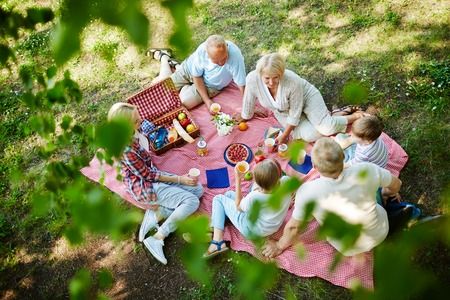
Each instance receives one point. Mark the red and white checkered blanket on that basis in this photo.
(319, 254)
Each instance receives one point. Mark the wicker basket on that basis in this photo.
(160, 104)
(166, 121)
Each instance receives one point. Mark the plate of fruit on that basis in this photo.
(237, 152)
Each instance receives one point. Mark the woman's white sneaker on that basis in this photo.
(148, 223)
(155, 247)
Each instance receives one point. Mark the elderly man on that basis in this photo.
(349, 193)
(208, 70)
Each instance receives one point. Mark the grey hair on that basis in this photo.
(215, 41)
(271, 64)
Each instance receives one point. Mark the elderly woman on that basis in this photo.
(296, 103)
(173, 196)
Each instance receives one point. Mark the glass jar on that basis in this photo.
(202, 147)
(282, 150)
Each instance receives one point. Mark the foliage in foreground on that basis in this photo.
(45, 92)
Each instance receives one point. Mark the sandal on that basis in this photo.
(346, 110)
(162, 51)
(219, 249)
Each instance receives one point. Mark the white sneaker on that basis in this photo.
(155, 247)
(148, 223)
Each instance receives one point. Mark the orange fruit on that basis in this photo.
(243, 126)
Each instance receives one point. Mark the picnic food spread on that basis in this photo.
(224, 123)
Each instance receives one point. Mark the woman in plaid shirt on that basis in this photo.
(175, 197)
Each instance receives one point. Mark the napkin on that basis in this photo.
(303, 168)
(217, 178)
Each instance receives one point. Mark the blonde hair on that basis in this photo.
(267, 174)
(272, 64)
(367, 128)
(215, 41)
(328, 157)
(122, 110)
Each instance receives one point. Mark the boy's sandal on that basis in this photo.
(219, 249)
(161, 51)
(348, 109)
(173, 63)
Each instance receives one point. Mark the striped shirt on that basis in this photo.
(376, 153)
(139, 173)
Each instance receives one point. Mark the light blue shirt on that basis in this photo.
(215, 76)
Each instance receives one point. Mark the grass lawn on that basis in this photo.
(397, 49)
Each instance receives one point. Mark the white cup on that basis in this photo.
(301, 157)
(242, 167)
(270, 144)
(215, 108)
(194, 173)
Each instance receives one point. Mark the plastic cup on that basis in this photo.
(301, 157)
(242, 167)
(270, 144)
(215, 108)
(194, 173)
(282, 150)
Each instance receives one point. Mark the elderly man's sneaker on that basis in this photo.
(155, 247)
(148, 223)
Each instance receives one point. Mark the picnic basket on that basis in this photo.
(160, 104)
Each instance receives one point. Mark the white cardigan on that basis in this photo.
(293, 91)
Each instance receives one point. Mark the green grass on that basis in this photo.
(400, 52)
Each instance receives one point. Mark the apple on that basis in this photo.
(248, 176)
(190, 128)
(185, 122)
(181, 116)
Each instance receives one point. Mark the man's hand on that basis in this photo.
(270, 249)
(282, 139)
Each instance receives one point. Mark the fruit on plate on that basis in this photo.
(236, 153)
(243, 126)
(185, 122)
(248, 176)
(190, 128)
(181, 116)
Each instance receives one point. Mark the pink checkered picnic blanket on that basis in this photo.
(156, 100)
(319, 254)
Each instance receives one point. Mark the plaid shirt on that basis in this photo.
(139, 173)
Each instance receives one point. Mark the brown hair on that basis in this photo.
(367, 128)
(327, 157)
(267, 174)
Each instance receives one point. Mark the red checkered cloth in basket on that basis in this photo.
(156, 100)
(319, 255)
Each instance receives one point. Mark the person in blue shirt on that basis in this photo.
(212, 67)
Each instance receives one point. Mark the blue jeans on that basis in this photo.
(176, 203)
(224, 206)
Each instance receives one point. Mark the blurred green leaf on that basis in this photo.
(285, 189)
(43, 124)
(181, 37)
(114, 136)
(254, 212)
(354, 92)
(80, 285)
(65, 43)
(105, 279)
(42, 203)
(38, 15)
(338, 229)
(73, 235)
(5, 54)
(192, 253)
(294, 149)
(65, 123)
(254, 277)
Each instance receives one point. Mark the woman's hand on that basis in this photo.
(282, 139)
(186, 180)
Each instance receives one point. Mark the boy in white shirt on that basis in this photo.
(367, 143)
